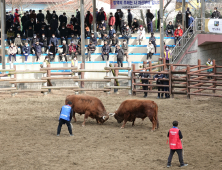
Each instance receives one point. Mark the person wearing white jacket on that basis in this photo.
(12, 50)
(141, 34)
(150, 51)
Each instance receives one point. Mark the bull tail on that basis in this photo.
(157, 121)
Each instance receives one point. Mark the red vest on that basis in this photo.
(174, 139)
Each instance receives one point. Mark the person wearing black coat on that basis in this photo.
(117, 19)
(130, 18)
(40, 16)
(44, 41)
(159, 81)
(135, 25)
(187, 17)
(63, 34)
(73, 20)
(105, 50)
(48, 16)
(121, 20)
(33, 42)
(106, 38)
(63, 19)
(149, 18)
(54, 24)
(91, 49)
(144, 77)
(120, 54)
(77, 29)
(64, 51)
(37, 27)
(93, 39)
(52, 51)
(55, 15)
(166, 82)
(29, 23)
(103, 31)
(78, 16)
(49, 33)
(24, 19)
(178, 19)
(114, 40)
(170, 29)
(42, 31)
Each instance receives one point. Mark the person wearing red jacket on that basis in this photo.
(89, 19)
(178, 34)
(16, 18)
(112, 20)
(175, 137)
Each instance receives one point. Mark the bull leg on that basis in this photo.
(124, 123)
(74, 117)
(85, 117)
(154, 125)
(133, 122)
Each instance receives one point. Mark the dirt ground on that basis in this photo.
(28, 124)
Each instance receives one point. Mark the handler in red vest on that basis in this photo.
(175, 137)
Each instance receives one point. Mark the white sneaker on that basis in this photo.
(10, 61)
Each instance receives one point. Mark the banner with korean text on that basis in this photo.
(213, 25)
(136, 4)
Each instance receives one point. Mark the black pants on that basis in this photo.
(179, 152)
(90, 27)
(166, 89)
(107, 56)
(145, 88)
(120, 62)
(154, 44)
(160, 89)
(149, 55)
(61, 122)
(60, 57)
(38, 56)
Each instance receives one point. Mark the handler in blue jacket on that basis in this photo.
(65, 118)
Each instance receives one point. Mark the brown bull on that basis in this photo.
(88, 105)
(129, 110)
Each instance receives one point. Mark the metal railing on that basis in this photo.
(197, 26)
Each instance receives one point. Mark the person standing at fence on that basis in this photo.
(65, 117)
(166, 82)
(144, 77)
(209, 63)
(175, 137)
(158, 78)
(120, 54)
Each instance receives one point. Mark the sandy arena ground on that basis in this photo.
(28, 124)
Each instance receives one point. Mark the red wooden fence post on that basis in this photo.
(150, 81)
(171, 82)
(133, 80)
(116, 74)
(199, 67)
(82, 75)
(164, 62)
(188, 82)
(214, 78)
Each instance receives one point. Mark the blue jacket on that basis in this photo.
(66, 113)
(158, 81)
(111, 32)
(38, 48)
(191, 19)
(26, 49)
(54, 40)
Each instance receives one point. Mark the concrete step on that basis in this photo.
(94, 57)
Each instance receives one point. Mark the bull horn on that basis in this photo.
(111, 114)
(104, 117)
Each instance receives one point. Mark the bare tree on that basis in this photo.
(19, 4)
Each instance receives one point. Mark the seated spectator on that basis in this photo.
(72, 49)
(150, 51)
(19, 31)
(119, 56)
(63, 34)
(87, 31)
(26, 51)
(114, 40)
(135, 25)
(153, 40)
(127, 34)
(93, 39)
(38, 50)
(77, 29)
(143, 76)
(64, 51)
(55, 42)
(78, 49)
(141, 34)
(105, 50)
(91, 49)
(44, 42)
(106, 38)
(52, 51)
(18, 42)
(103, 31)
(167, 54)
(42, 31)
(103, 24)
(70, 28)
(158, 78)
(12, 50)
(170, 29)
(33, 42)
(47, 60)
(178, 34)
(74, 39)
(10, 36)
(215, 14)
(111, 32)
(112, 20)
(125, 49)
(30, 34)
